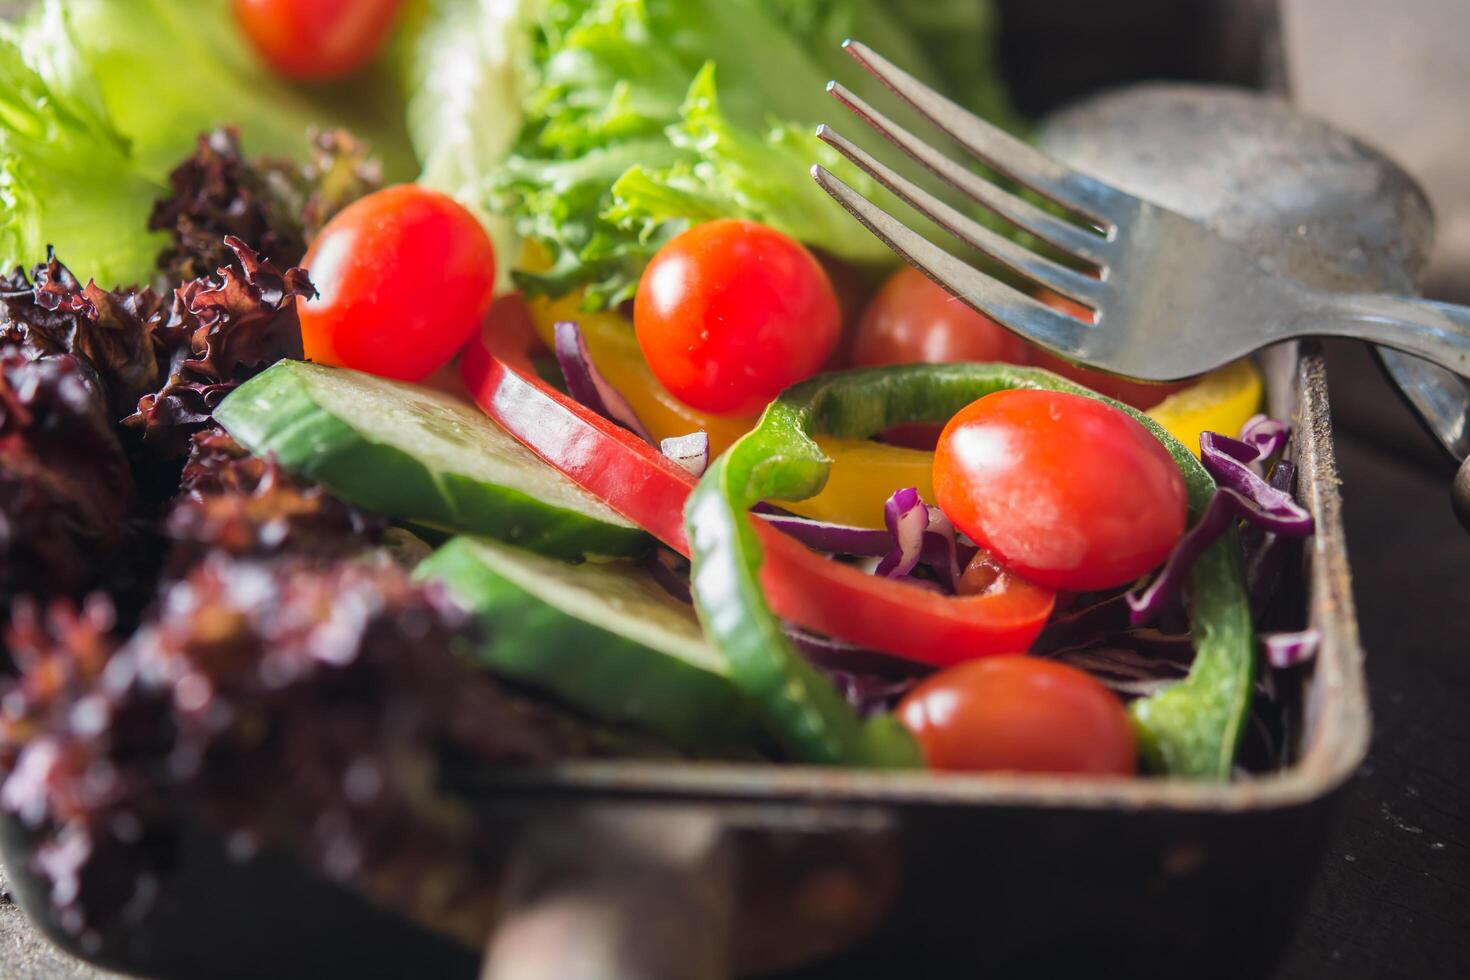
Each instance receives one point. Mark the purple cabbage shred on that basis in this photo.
(1266, 435)
(871, 682)
(917, 534)
(1287, 650)
(588, 386)
(1128, 673)
(1242, 494)
(1228, 461)
(907, 518)
(834, 539)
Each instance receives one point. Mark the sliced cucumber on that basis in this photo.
(414, 454)
(605, 638)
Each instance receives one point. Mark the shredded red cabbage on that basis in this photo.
(1226, 506)
(943, 551)
(1266, 435)
(870, 681)
(917, 535)
(1128, 673)
(834, 539)
(588, 386)
(1266, 553)
(907, 519)
(1083, 624)
(870, 694)
(1285, 650)
(1242, 495)
(691, 451)
(1228, 461)
(921, 534)
(831, 654)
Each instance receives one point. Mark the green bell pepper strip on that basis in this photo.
(1189, 729)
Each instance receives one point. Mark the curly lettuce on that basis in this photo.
(464, 70)
(723, 170)
(645, 116)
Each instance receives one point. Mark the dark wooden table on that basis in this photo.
(1393, 896)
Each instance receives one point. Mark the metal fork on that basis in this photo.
(1170, 298)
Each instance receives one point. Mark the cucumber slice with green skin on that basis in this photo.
(415, 454)
(604, 638)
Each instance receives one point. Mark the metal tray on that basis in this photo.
(1041, 876)
(695, 870)
(761, 868)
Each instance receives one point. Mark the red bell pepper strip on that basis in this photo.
(647, 488)
(601, 457)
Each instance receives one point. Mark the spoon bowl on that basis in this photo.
(1322, 207)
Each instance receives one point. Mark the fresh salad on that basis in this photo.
(390, 390)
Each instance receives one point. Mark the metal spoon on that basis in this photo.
(1332, 211)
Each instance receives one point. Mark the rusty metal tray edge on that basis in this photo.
(1336, 717)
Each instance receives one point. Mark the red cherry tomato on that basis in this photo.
(731, 312)
(316, 40)
(405, 277)
(914, 321)
(1020, 714)
(1064, 490)
(1142, 395)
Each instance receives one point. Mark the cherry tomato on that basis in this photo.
(405, 277)
(1020, 714)
(731, 312)
(914, 321)
(1064, 490)
(1142, 395)
(316, 40)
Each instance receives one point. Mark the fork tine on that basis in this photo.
(1040, 270)
(1009, 307)
(1016, 159)
(1071, 239)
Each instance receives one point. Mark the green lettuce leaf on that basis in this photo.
(169, 70)
(648, 115)
(67, 175)
(99, 99)
(463, 66)
(725, 170)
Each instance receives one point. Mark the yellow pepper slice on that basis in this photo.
(1222, 401)
(865, 473)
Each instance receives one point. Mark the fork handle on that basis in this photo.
(1439, 332)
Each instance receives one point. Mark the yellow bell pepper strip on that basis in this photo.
(864, 474)
(1221, 401)
(1190, 728)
